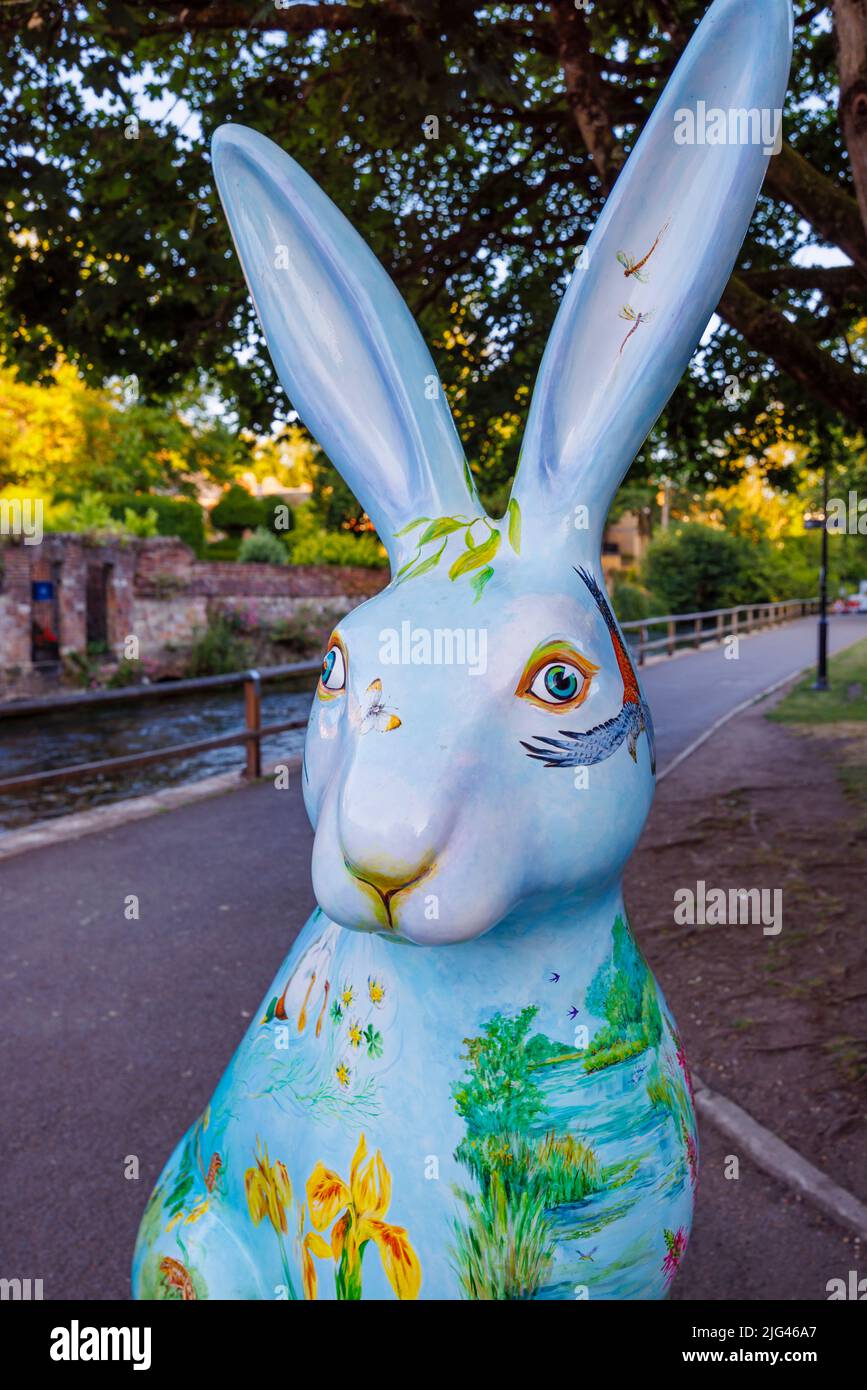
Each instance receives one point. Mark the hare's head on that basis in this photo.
(478, 736)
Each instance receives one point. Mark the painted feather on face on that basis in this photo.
(574, 749)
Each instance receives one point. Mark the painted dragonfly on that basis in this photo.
(636, 268)
(636, 318)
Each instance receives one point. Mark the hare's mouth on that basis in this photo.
(384, 888)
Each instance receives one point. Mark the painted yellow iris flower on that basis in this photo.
(269, 1190)
(361, 1204)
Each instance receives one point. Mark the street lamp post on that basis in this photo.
(822, 664)
(821, 681)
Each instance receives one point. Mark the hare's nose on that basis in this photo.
(387, 886)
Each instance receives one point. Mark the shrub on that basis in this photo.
(175, 516)
(278, 515)
(127, 673)
(306, 628)
(263, 548)
(333, 505)
(218, 648)
(696, 567)
(92, 516)
(336, 548)
(237, 511)
(140, 523)
(619, 1052)
(630, 602)
(222, 550)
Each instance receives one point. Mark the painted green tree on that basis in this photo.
(504, 1242)
(623, 992)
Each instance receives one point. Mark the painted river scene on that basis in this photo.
(564, 1167)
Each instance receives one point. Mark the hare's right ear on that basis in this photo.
(655, 267)
(344, 344)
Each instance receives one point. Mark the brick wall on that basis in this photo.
(155, 589)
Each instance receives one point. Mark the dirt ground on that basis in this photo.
(777, 1023)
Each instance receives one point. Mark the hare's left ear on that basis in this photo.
(345, 346)
(655, 267)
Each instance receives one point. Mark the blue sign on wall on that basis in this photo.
(42, 589)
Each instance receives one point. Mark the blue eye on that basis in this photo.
(558, 683)
(333, 677)
(561, 683)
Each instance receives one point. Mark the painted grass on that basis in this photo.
(504, 1247)
(843, 702)
(503, 1244)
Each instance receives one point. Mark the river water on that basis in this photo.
(37, 743)
(609, 1241)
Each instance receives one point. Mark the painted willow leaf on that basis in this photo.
(425, 565)
(468, 534)
(443, 526)
(475, 559)
(515, 526)
(480, 580)
(405, 530)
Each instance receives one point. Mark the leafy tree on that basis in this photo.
(623, 992)
(118, 255)
(695, 567)
(334, 505)
(65, 438)
(497, 1094)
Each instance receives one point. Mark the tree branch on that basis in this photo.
(828, 208)
(768, 330)
(830, 279)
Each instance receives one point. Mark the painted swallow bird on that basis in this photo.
(595, 745)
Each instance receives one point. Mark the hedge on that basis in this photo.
(176, 516)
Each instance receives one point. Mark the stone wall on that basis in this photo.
(154, 589)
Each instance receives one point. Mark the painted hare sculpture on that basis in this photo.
(464, 1081)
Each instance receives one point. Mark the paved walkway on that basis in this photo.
(690, 692)
(116, 1032)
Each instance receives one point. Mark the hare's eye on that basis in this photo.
(558, 684)
(556, 676)
(332, 678)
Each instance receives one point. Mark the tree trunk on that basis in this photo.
(585, 92)
(850, 24)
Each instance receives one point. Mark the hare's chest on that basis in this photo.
(460, 1119)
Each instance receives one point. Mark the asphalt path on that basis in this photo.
(115, 1032)
(688, 693)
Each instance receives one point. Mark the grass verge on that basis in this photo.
(845, 700)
